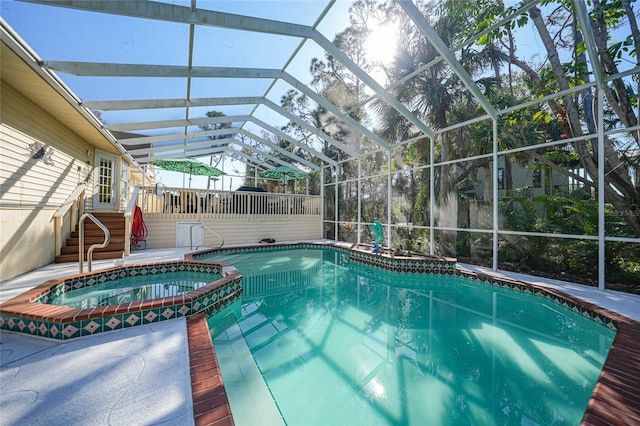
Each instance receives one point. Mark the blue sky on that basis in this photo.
(56, 33)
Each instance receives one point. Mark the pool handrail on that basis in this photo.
(201, 224)
(107, 239)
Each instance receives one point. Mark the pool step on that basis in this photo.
(114, 222)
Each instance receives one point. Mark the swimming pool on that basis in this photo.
(321, 339)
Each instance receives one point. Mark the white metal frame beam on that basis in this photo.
(136, 70)
(176, 137)
(142, 104)
(421, 22)
(218, 132)
(185, 15)
(215, 147)
(281, 150)
(234, 153)
(267, 155)
(176, 153)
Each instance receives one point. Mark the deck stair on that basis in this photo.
(114, 222)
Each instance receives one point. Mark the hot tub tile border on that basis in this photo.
(30, 314)
(75, 282)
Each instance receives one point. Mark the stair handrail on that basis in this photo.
(206, 228)
(73, 200)
(107, 238)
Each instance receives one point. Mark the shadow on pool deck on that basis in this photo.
(142, 375)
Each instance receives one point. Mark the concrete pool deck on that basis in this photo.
(142, 375)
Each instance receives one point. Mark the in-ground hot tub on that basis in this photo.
(206, 287)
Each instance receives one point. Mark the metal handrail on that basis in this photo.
(208, 229)
(107, 238)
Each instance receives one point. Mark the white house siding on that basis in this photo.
(522, 177)
(30, 189)
(238, 230)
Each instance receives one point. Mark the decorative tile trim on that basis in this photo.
(595, 313)
(421, 264)
(30, 312)
(104, 276)
(416, 264)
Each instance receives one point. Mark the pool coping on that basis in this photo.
(615, 399)
(210, 402)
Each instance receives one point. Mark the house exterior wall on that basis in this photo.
(234, 230)
(522, 177)
(32, 189)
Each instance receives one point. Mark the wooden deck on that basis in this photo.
(616, 396)
(210, 404)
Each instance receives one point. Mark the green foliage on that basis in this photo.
(574, 214)
(563, 158)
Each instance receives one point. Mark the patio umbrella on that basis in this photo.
(284, 173)
(193, 167)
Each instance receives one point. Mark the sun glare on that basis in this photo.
(382, 43)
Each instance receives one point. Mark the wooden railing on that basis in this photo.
(128, 213)
(68, 212)
(181, 201)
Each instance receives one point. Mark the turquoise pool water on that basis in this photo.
(130, 289)
(319, 340)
